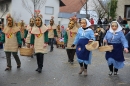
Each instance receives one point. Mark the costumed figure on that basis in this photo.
(115, 37)
(12, 41)
(84, 35)
(69, 37)
(58, 31)
(39, 40)
(51, 33)
(22, 29)
(27, 32)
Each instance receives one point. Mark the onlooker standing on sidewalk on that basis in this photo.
(11, 38)
(119, 20)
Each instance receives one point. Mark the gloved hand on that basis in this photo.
(72, 45)
(19, 46)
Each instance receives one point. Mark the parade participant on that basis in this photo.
(69, 37)
(12, 41)
(84, 35)
(39, 39)
(115, 37)
(99, 35)
(27, 32)
(58, 31)
(51, 33)
(22, 29)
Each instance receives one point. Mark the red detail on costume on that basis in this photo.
(70, 34)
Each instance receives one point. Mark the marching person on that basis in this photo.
(69, 37)
(22, 29)
(12, 41)
(84, 35)
(39, 40)
(27, 32)
(51, 33)
(115, 37)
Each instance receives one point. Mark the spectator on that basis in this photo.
(99, 21)
(105, 21)
(92, 21)
(124, 22)
(119, 20)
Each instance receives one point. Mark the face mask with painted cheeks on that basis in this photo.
(114, 26)
(10, 22)
(71, 24)
(38, 21)
(51, 22)
(31, 22)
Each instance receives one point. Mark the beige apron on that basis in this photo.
(51, 31)
(71, 36)
(11, 44)
(29, 28)
(39, 39)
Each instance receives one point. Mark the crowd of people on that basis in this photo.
(37, 36)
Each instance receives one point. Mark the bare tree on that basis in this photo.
(37, 5)
(99, 9)
(16, 17)
(3, 9)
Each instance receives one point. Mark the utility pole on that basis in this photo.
(86, 9)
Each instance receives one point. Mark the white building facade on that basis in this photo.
(50, 8)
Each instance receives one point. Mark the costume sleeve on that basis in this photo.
(32, 39)
(2, 39)
(55, 33)
(18, 35)
(76, 38)
(65, 38)
(25, 33)
(92, 37)
(46, 37)
(124, 41)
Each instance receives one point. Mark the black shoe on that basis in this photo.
(39, 70)
(51, 50)
(8, 69)
(18, 66)
(71, 63)
(115, 73)
(110, 74)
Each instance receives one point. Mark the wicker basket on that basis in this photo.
(26, 51)
(106, 48)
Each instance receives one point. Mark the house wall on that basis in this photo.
(121, 6)
(20, 13)
(64, 22)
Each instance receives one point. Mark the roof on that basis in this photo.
(61, 3)
(72, 5)
(68, 15)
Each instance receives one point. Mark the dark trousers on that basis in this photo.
(71, 53)
(111, 68)
(8, 57)
(40, 58)
(23, 42)
(83, 65)
(99, 41)
(51, 41)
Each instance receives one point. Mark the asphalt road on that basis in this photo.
(58, 72)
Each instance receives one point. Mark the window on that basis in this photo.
(47, 22)
(127, 12)
(49, 10)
